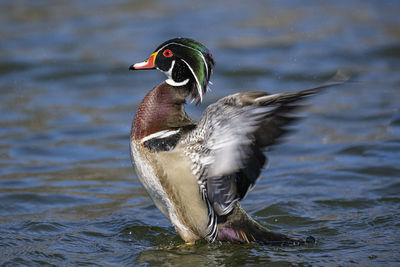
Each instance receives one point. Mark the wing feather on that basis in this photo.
(227, 145)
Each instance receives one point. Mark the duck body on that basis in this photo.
(196, 172)
(160, 162)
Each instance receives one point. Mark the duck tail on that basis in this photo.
(239, 227)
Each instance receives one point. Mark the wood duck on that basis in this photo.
(196, 172)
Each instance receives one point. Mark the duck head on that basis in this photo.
(185, 62)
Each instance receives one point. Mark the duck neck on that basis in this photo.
(161, 109)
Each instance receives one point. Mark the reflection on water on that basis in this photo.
(68, 194)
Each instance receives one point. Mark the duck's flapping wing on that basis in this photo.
(227, 145)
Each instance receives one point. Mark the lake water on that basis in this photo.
(68, 194)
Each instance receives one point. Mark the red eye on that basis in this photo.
(167, 53)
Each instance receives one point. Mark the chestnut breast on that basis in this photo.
(161, 109)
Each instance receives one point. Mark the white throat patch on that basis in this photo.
(170, 81)
(173, 83)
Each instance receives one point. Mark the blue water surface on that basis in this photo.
(68, 193)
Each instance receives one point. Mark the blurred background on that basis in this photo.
(68, 194)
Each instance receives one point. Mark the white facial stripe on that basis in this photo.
(169, 72)
(197, 81)
(170, 81)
